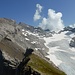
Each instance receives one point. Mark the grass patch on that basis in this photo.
(43, 66)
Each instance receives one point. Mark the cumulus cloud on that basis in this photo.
(53, 21)
(37, 15)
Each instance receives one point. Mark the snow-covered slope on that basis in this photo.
(60, 53)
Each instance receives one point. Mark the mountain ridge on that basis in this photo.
(43, 42)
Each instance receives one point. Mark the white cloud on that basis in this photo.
(53, 21)
(37, 15)
(73, 26)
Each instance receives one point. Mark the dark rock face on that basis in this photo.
(19, 69)
(5, 69)
(72, 42)
(68, 28)
(73, 30)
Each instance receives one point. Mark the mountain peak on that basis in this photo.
(6, 20)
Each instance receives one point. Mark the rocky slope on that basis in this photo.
(13, 61)
(24, 35)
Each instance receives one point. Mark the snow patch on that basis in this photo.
(23, 30)
(29, 33)
(34, 42)
(34, 34)
(27, 39)
(25, 34)
(72, 58)
(37, 48)
(72, 49)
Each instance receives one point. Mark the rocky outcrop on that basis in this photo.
(21, 68)
(5, 69)
(72, 42)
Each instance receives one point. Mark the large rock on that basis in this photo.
(21, 68)
(72, 42)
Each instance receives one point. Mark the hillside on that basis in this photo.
(43, 66)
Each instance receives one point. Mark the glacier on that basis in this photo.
(60, 53)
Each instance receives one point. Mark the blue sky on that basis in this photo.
(24, 10)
